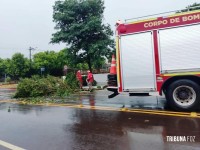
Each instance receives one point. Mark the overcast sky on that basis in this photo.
(25, 23)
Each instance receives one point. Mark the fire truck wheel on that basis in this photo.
(183, 95)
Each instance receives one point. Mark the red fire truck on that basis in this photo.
(160, 55)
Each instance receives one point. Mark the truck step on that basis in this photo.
(139, 94)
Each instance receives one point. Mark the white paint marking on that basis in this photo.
(10, 146)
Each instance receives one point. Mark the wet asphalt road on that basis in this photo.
(100, 98)
(62, 128)
(6, 94)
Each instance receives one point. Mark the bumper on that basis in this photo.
(114, 90)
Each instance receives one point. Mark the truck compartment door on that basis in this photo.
(137, 62)
(180, 49)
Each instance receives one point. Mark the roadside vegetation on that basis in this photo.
(46, 88)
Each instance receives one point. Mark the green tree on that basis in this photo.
(98, 63)
(2, 67)
(7, 64)
(72, 61)
(194, 6)
(18, 66)
(79, 24)
(48, 60)
(64, 59)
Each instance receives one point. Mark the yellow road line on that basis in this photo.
(164, 111)
(142, 111)
(10, 146)
(155, 112)
(165, 114)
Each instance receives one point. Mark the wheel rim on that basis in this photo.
(184, 95)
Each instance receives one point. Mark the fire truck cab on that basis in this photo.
(160, 55)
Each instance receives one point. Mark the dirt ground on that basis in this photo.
(8, 86)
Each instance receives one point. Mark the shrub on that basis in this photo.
(24, 88)
(71, 81)
(8, 79)
(37, 87)
(63, 90)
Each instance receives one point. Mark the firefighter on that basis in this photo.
(90, 80)
(79, 78)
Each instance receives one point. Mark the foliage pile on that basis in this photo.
(49, 86)
(71, 81)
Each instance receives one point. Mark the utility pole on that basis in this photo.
(30, 55)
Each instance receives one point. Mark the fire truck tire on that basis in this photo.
(183, 95)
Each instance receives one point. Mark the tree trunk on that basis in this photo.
(89, 63)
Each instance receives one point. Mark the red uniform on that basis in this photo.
(79, 76)
(90, 77)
